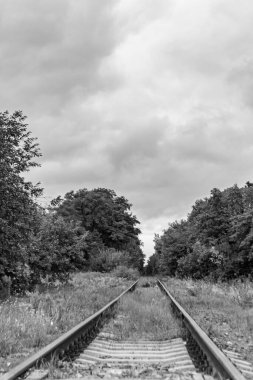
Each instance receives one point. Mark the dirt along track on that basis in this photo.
(143, 339)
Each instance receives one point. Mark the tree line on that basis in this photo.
(84, 230)
(215, 241)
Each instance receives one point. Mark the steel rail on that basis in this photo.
(67, 342)
(213, 360)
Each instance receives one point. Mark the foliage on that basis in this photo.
(144, 314)
(152, 267)
(87, 229)
(211, 222)
(108, 259)
(216, 240)
(223, 309)
(106, 216)
(57, 249)
(176, 244)
(198, 263)
(29, 322)
(125, 272)
(17, 207)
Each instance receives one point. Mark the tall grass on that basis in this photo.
(30, 322)
(144, 314)
(223, 310)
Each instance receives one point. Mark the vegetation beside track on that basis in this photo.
(224, 311)
(85, 230)
(144, 314)
(215, 241)
(30, 322)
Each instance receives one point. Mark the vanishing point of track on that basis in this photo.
(197, 348)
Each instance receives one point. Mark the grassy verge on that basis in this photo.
(224, 311)
(29, 323)
(144, 314)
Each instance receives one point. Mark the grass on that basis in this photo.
(28, 323)
(144, 314)
(224, 311)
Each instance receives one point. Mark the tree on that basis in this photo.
(198, 263)
(234, 199)
(174, 245)
(241, 240)
(216, 240)
(103, 213)
(211, 219)
(247, 193)
(56, 249)
(152, 267)
(17, 196)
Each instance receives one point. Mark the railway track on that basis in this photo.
(95, 353)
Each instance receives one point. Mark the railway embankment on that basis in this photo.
(146, 331)
(223, 310)
(30, 322)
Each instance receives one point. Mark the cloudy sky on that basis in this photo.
(153, 99)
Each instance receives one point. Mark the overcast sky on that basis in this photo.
(153, 99)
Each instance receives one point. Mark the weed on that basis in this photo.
(242, 293)
(30, 322)
(147, 282)
(144, 314)
(126, 272)
(223, 310)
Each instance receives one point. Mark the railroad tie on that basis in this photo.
(171, 353)
(245, 367)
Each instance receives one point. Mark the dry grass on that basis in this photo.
(144, 314)
(224, 311)
(29, 323)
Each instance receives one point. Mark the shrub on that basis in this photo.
(108, 259)
(5, 286)
(57, 249)
(242, 292)
(28, 323)
(125, 272)
(198, 263)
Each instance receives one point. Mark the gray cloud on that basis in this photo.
(137, 144)
(241, 80)
(153, 101)
(52, 52)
